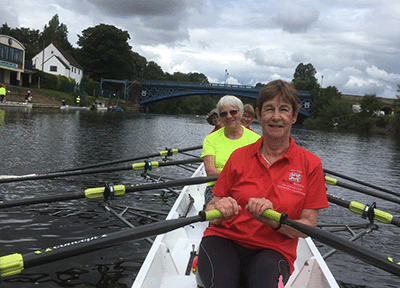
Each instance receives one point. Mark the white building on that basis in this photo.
(55, 60)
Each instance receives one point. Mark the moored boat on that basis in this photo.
(15, 104)
(99, 106)
(66, 107)
(167, 262)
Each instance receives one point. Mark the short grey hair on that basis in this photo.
(230, 100)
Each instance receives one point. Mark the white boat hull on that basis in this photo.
(66, 107)
(15, 104)
(167, 260)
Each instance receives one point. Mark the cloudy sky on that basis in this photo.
(353, 44)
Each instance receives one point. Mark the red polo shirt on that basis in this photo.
(293, 183)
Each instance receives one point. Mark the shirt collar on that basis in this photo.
(289, 155)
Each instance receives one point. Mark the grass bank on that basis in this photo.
(52, 99)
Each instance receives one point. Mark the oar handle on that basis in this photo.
(269, 213)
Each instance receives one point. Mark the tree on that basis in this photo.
(105, 53)
(370, 104)
(323, 99)
(198, 78)
(56, 32)
(304, 77)
(139, 62)
(153, 71)
(329, 106)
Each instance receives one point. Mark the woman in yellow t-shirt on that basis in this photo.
(219, 145)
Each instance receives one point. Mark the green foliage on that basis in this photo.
(90, 86)
(152, 71)
(335, 110)
(55, 82)
(382, 121)
(323, 99)
(105, 53)
(304, 77)
(370, 104)
(56, 32)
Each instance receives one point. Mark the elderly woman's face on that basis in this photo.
(276, 118)
(230, 116)
(247, 119)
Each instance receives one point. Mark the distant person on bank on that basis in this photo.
(244, 248)
(218, 146)
(213, 119)
(28, 97)
(78, 101)
(3, 92)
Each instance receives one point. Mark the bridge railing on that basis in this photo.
(194, 84)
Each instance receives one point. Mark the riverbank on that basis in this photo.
(44, 98)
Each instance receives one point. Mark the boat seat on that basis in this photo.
(198, 280)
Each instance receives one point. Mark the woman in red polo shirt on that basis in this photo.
(243, 248)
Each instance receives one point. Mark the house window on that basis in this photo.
(53, 68)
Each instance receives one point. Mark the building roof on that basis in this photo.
(68, 56)
(62, 62)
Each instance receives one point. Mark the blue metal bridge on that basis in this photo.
(152, 91)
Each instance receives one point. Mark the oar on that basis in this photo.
(333, 181)
(167, 152)
(361, 182)
(364, 210)
(136, 166)
(99, 191)
(13, 264)
(346, 246)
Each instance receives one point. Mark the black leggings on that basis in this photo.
(224, 264)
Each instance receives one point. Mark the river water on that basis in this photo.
(40, 141)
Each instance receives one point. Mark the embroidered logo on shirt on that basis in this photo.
(295, 177)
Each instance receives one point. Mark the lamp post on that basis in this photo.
(322, 79)
(226, 73)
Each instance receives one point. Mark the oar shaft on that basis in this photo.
(167, 152)
(46, 199)
(15, 263)
(135, 166)
(173, 183)
(333, 181)
(365, 254)
(64, 174)
(361, 182)
(98, 192)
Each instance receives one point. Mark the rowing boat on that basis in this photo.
(66, 107)
(167, 261)
(15, 104)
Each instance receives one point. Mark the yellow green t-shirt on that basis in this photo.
(221, 147)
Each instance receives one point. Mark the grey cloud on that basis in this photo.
(151, 36)
(140, 7)
(272, 57)
(296, 21)
(9, 16)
